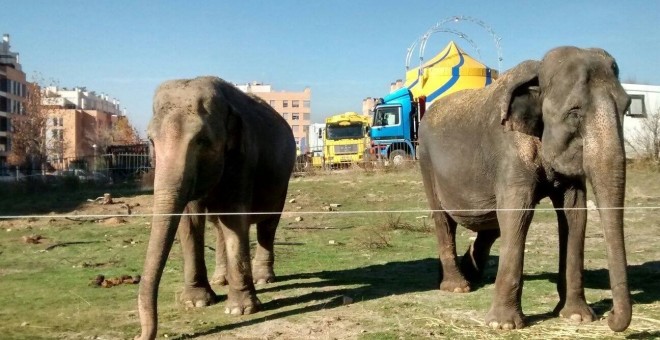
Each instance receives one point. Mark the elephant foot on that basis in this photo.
(219, 277)
(242, 303)
(455, 286)
(262, 274)
(505, 318)
(198, 297)
(577, 311)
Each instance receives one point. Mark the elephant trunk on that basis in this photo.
(170, 198)
(606, 170)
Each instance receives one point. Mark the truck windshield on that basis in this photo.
(344, 132)
(386, 115)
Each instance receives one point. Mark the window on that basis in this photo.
(306, 116)
(285, 115)
(4, 104)
(294, 128)
(285, 103)
(295, 116)
(305, 103)
(61, 121)
(16, 107)
(295, 103)
(54, 121)
(272, 103)
(637, 107)
(386, 115)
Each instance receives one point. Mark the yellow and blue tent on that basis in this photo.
(449, 71)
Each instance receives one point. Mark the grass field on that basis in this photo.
(341, 275)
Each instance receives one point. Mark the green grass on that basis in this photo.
(355, 276)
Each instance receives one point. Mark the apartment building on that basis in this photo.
(78, 121)
(295, 107)
(13, 94)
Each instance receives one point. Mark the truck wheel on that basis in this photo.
(399, 157)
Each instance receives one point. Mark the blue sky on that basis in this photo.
(344, 50)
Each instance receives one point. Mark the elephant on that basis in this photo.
(489, 155)
(222, 152)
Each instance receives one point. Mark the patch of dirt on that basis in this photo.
(332, 324)
(114, 221)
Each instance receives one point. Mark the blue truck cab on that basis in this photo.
(395, 124)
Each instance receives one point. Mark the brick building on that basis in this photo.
(79, 119)
(295, 107)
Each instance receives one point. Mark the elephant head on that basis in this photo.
(573, 101)
(194, 131)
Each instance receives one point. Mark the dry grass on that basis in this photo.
(377, 280)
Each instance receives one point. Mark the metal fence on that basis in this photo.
(112, 168)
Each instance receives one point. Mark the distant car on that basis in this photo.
(84, 176)
(98, 177)
(10, 176)
(46, 178)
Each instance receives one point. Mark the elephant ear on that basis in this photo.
(517, 98)
(234, 125)
(227, 106)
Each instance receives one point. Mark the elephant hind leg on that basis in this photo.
(451, 278)
(475, 258)
(220, 273)
(264, 257)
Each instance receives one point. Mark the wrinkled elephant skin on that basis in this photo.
(221, 151)
(543, 129)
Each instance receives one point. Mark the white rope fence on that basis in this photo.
(335, 212)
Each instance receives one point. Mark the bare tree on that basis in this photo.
(123, 132)
(29, 147)
(645, 138)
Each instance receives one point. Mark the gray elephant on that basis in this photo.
(489, 155)
(222, 151)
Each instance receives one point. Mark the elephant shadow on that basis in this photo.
(364, 283)
(642, 281)
(394, 278)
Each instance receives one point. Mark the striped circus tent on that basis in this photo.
(449, 71)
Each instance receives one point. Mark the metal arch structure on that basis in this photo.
(439, 28)
(423, 39)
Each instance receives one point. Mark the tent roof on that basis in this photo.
(450, 58)
(450, 70)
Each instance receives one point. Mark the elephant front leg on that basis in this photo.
(452, 280)
(220, 274)
(197, 291)
(571, 226)
(264, 258)
(506, 309)
(241, 296)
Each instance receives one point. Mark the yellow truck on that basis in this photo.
(345, 139)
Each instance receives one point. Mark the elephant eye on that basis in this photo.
(574, 115)
(615, 69)
(574, 111)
